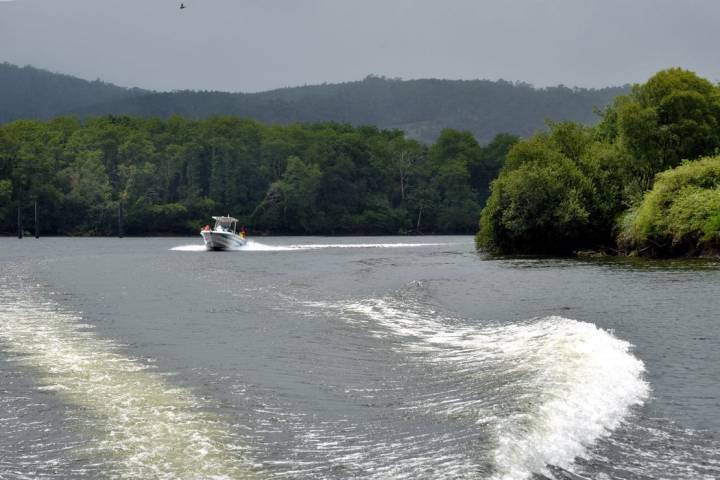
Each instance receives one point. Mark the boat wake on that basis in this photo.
(189, 248)
(543, 391)
(253, 246)
(144, 427)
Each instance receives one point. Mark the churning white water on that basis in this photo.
(557, 385)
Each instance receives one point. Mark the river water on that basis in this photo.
(364, 357)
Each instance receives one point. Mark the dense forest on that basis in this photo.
(637, 183)
(170, 176)
(420, 108)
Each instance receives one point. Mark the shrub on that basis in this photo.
(680, 215)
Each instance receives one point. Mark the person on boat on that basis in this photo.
(243, 232)
(206, 228)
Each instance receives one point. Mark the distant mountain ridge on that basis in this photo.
(421, 108)
(28, 92)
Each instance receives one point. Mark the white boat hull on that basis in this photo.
(222, 240)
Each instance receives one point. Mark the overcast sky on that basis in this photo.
(254, 45)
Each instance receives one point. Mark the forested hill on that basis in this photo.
(31, 93)
(421, 108)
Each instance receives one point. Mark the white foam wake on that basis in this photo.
(189, 248)
(147, 428)
(253, 246)
(558, 385)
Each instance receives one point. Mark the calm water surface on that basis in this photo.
(364, 357)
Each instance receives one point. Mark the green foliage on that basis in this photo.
(86, 205)
(567, 189)
(680, 215)
(486, 166)
(291, 202)
(541, 202)
(558, 192)
(458, 172)
(168, 218)
(674, 116)
(5, 196)
(170, 176)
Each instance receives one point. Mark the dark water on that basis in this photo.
(379, 357)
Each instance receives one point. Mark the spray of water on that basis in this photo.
(552, 386)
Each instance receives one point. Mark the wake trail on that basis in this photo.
(253, 246)
(545, 389)
(146, 428)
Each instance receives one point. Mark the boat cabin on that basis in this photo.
(225, 224)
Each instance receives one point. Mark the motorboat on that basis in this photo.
(223, 235)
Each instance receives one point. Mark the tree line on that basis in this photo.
(169, 176)
(645, 180)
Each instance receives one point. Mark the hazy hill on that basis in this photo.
(27, 92)
(419, 107)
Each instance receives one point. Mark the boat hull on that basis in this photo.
(222, 240)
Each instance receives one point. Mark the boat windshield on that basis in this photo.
(225, 224)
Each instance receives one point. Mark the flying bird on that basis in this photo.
(182, 5)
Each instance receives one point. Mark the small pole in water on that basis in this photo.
(120, 223)
(20, 225)
(37, 223)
